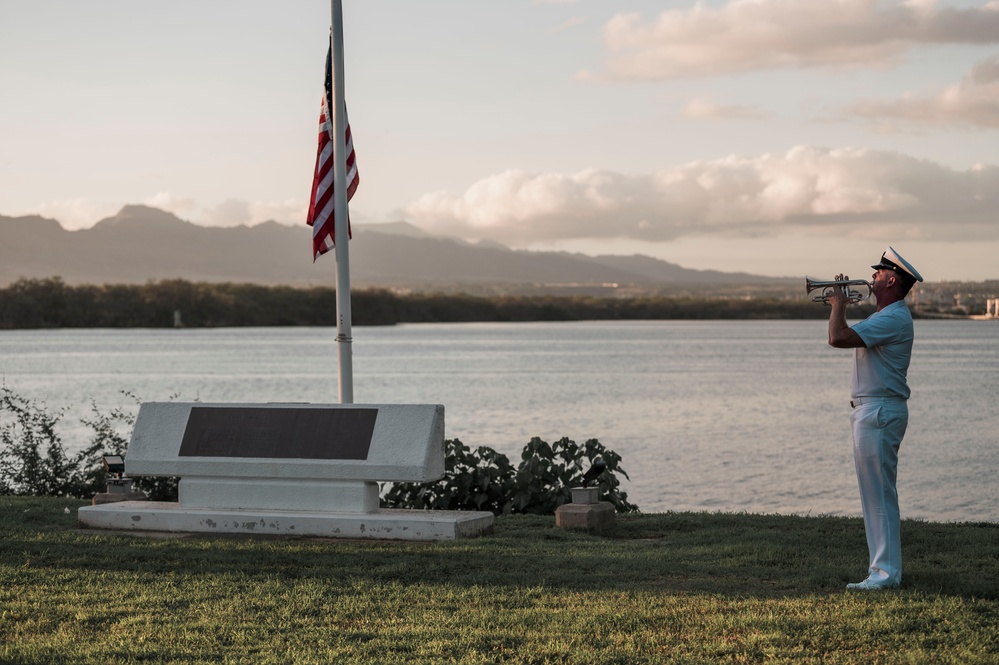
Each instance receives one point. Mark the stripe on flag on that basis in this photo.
(321, 203)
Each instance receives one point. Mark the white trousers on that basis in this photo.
(878, 428)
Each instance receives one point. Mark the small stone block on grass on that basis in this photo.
(591, 516)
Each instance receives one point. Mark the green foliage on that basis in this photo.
(487, 480)
(33, 459)
(473, 480)
(548, 472)
(108, 439)
(34, 462)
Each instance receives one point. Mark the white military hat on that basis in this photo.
(892, 260)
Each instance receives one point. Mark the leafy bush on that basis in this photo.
(548, 472)
(479, 480)
(34, 461)
(487, 480)
(109, 439)
(157, 488)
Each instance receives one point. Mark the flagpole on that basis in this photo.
(343, 321)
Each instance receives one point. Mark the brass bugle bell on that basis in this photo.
(853, 295)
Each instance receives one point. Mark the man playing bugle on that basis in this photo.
(882, 345)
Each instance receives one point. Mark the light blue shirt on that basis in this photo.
(880, 369)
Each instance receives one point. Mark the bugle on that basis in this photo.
(850, 286)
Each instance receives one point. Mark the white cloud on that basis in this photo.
(74, 214)
(571, 22)
(291, 212)
(705, 109)
(748, 35)
(974, 102)
(236, 212)
(231, 212)
(843, 191)
(170, 202)
(82, 213)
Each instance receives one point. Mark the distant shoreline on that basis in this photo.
(965, 317)
(51, 303)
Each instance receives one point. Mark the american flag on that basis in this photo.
(321, 202)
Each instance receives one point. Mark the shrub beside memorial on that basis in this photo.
(34, 462)
(484, 479)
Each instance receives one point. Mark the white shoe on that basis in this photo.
(871, 585)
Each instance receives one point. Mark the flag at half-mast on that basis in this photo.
(321, 203)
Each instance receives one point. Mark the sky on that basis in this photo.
(777, 137)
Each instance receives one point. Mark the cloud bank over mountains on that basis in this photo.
(826, 190)
(79, 214)
(840, 191)
(845, 190)
(752, 35)
(972, 103)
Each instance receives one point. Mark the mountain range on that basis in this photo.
(140, 244)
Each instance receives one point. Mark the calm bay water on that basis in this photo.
(708, 415)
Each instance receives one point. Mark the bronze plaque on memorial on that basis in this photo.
(279, 432)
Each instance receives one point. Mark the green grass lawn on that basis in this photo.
(660, 588)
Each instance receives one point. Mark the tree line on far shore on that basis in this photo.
(51, 303)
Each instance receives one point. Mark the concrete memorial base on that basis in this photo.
(286, 469)
(415, 525)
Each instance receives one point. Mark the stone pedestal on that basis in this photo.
(593, 516)
(119, 489)
(585, 511)
(585, 495)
